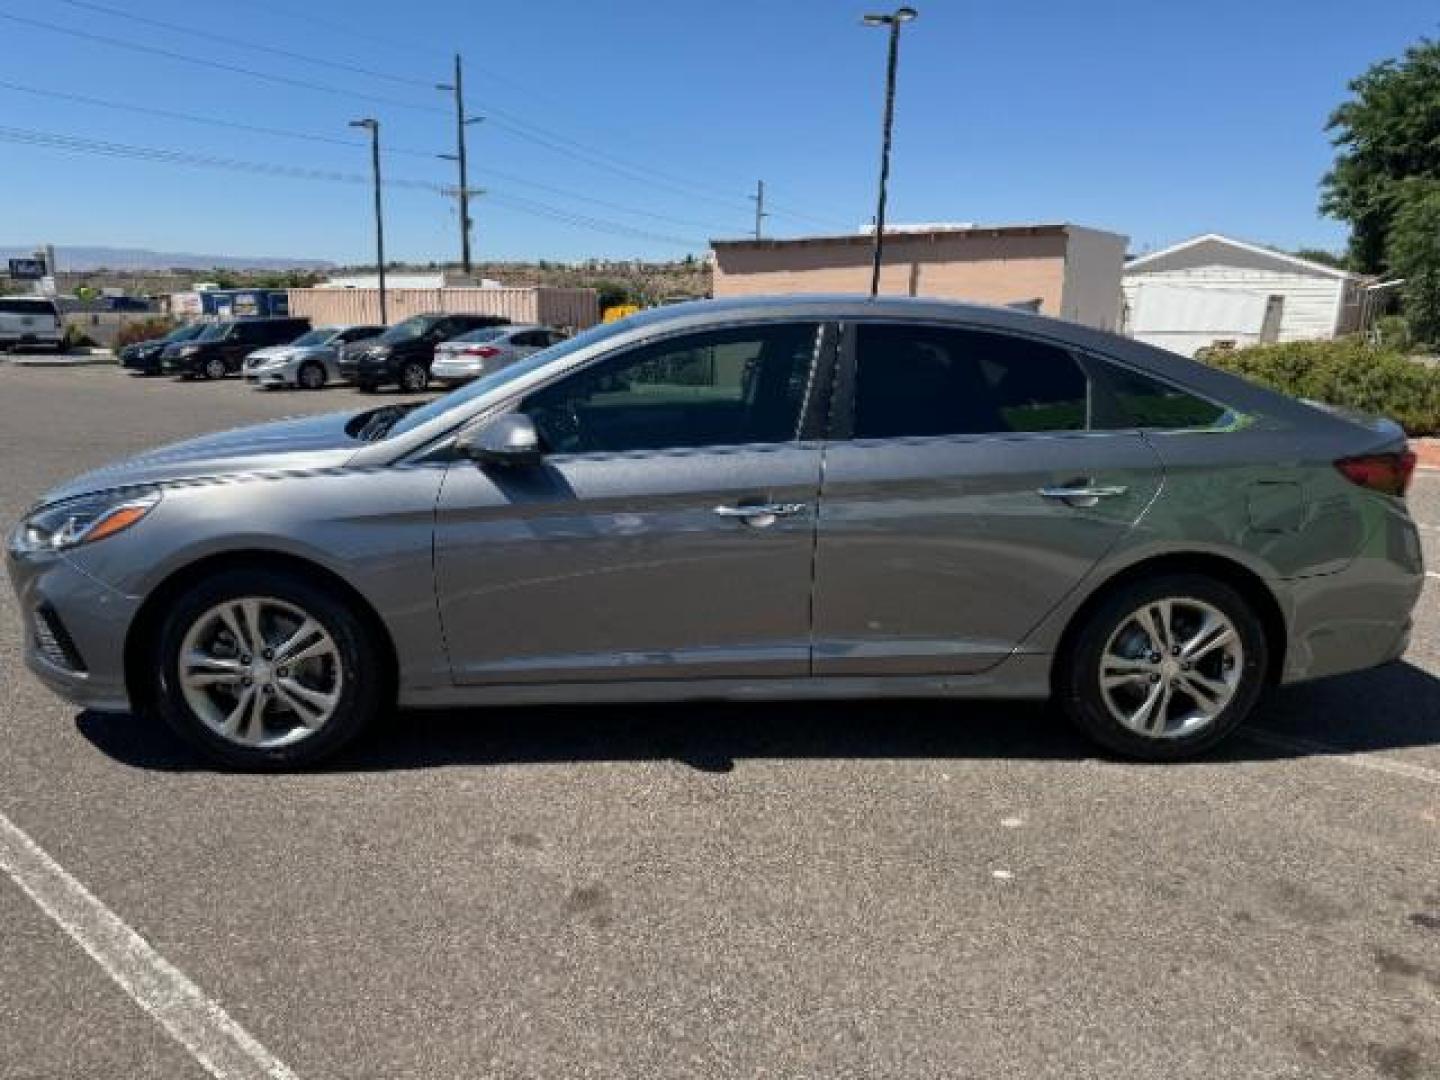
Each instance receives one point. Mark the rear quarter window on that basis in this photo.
(1140, 401)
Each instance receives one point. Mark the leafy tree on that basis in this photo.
(1413, 253)
(1321, 256)
(1386, 134)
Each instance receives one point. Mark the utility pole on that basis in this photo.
(894, 22)
(373, 126)
(759, 200)
(464, 191)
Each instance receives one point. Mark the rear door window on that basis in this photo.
(918, 380)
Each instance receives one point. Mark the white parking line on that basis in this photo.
(1343, 756)
(223, 1047)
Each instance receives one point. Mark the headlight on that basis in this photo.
(82, 520)
(189, 350)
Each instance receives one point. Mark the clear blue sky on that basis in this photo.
(1156, 120)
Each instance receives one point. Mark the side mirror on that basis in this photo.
(510, 439)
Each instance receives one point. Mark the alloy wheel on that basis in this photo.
(312, 376)
(215, 369)
(414, 378)
(260, 672)
(1171, 667)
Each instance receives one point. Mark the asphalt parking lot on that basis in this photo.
(872, 890)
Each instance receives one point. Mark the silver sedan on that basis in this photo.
(795, 497)
(482, 351)
(309, 362)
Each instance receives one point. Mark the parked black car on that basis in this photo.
(404, 353)
(222, 348)
(144, 356)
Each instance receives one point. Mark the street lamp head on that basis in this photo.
(900, 15)
(368, 123)
(445, 86)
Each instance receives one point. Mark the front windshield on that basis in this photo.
(314, 337)
(185, 333)
(407, 330)
(213, 332)
(486, 383)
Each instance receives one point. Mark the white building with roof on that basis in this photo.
(1216, 290)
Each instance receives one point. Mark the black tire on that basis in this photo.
(214, 368)
(414, 377)
(366, 387)
(1078, 672)
(363, 691)
(311, 375)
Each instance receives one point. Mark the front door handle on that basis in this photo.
(1083, 493)
(761, 514)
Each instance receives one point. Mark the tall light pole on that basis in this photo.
(463, 191)
(894, 21)
(373, 126)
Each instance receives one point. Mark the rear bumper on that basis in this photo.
(1359, 617)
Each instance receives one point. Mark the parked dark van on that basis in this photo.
(404, 353)
(222, 348)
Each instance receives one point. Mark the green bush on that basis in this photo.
(1347, 373)
(143, 330)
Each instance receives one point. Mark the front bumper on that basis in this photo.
(54, 594)
(368, 369)
(280, 375)
(182, 365)
(146, 363)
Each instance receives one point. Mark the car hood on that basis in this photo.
(300, 443)
(273, 352)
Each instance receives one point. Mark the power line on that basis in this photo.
(353, 144)
(81, 144)
(504, 119)
(211, 121)
(237, 43)
(235, 69)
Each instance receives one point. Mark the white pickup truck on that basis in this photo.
(30, 320)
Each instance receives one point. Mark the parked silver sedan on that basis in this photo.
(747, 499)
(482, 351)
(310, 361)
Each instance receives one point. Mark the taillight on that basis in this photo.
(1387, 473)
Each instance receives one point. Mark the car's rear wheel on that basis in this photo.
(1165, 668)
(311, 375)
(214, 368)
(414, 377)
(262, 670)
(366, 387)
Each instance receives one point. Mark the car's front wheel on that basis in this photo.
(263, 670)
(414, 377)
(1165, 668)
(214, 368)
(311, 375)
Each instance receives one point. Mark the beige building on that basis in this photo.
(1062, 270)
(575, 309)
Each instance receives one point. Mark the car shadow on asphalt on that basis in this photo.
(1393, 707)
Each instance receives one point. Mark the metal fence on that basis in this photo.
(571, 308)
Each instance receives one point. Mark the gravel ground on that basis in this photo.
(885, 889)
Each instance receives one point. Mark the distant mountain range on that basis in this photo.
(116, 258)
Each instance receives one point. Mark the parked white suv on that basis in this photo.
(30, 320)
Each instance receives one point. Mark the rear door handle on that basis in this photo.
(1084, 494)
(761, 514)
